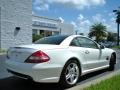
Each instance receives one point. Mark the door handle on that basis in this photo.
(87, 52)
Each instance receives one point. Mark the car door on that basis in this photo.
(77, 50)
(92, 53)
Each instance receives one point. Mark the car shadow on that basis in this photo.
(92, 76)
(14, 83)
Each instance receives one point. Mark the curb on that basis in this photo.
(93, 82)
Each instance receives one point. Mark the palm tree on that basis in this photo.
(98, 30)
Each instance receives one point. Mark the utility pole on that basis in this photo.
(0, 27)
(76, 32)
(117, 12)
(60, 31)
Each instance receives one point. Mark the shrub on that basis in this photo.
(36, 37)
(2, 50)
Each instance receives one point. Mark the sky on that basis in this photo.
(80, 13)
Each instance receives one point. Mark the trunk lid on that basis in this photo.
(41, 46)
(21, 53)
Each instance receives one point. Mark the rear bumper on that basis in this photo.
(19, 75)
(43, 72)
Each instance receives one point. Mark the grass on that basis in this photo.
(108, 84)
(116, 47)
(2, 51)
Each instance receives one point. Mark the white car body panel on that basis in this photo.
(39, 72)
(90, 59)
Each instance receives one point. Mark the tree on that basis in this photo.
(98, 30)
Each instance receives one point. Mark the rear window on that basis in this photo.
(56, 40)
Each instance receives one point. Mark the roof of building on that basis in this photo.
(47, 18)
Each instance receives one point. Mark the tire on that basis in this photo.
(112, 63)
(70, 74)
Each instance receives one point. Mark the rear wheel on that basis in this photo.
(70, 74)
(112, 63)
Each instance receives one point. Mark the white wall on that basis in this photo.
(16, 13)
(67, 29)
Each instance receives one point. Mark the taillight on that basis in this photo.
(38, 57)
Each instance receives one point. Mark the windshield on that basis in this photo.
(56, 40)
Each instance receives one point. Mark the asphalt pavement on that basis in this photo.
(9, 82)
(3, 72)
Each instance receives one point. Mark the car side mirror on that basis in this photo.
(102, 46)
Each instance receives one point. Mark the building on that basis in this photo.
(15, 22)
(48, 26)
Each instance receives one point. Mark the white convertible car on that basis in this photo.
(59, 58)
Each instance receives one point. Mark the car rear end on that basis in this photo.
(32, 63)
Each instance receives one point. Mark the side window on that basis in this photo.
(74, 42)
(85, 42)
